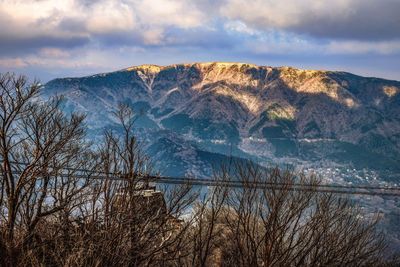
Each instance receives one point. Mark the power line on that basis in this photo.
(289, 187)
(115, 175)
(306, 185)
(322, 188)
(234, 184)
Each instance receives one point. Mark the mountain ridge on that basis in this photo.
(227, 63)
(162, 67)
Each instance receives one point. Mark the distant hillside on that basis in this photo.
(191, 115)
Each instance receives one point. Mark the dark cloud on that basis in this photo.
(368, 20)
(372, 20)
(23, 45)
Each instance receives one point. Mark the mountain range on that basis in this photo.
(192, 116)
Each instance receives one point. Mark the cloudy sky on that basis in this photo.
(47, 38)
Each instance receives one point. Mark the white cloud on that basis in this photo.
(241, 28)
(135, 19)
(109, 16)
(179, 13)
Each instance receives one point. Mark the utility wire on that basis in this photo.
(234, 184)
(323, 188)
(368, 187)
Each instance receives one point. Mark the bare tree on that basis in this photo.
(37, 144)
(270, 221)
(125, 211)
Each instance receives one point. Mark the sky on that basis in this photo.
(45, 39)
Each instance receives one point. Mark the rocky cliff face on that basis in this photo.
(194, 114)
